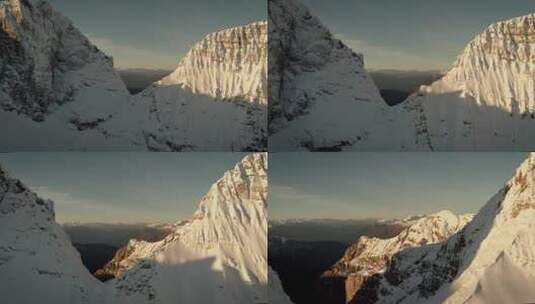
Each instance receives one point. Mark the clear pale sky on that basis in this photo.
(155, 34)
(412, 34)
(384, 185)
(120, 187)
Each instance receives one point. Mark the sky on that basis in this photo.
(384, 185)
(412, 34)
(120, 187)
(155, 34)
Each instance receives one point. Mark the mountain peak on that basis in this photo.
(228, 64)
(505, 50)
(371, 256)
(40, 46)
(462, 268)
(228, 232)
(509, 40)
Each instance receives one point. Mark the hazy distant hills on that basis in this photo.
(115, 235)
(137, 80)
(331, 230)
(395, 85)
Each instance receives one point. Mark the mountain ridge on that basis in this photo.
(61, 93)
(224, 247)
(460, 269)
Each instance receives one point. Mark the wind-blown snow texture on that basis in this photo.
(219, 256)
(61, 93)
(321, 97)
(487, 100)
(217, 97)
(495, 249)
(369, 256)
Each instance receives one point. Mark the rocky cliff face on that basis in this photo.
(494, 249)
(487, 100)
(370, 256)
(321, 97)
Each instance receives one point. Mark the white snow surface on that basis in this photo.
(59, 92)
(219, 256)
(487, 100)
(223, 249)
(491, 250)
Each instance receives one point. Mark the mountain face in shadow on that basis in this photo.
(322, 97)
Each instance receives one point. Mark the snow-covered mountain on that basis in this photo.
(222, 249)
(216, 98)
(225, 243)
(487, 100)
(370, 256)
(321, 97)
(35, 253)
(57, 90)
(61, 93)
(228, 64)
(490, 260)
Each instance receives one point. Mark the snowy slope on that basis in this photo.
(61, 93)
(219, 256)
(369, 256)
(487, 100)
(223, 248)
(216, 98)
(321, 97)
(35, 253)
(494, 249)
(229, 64)
(57, 89)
